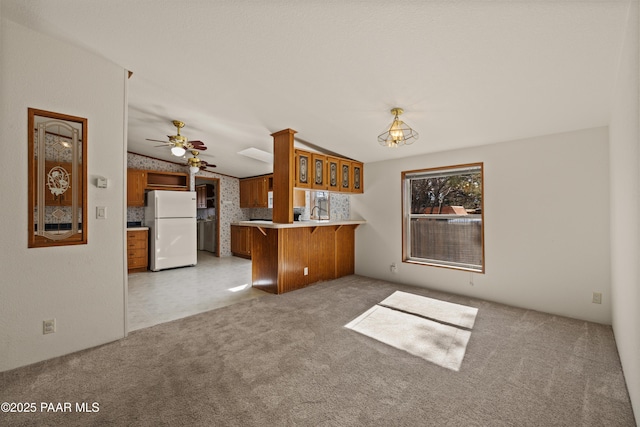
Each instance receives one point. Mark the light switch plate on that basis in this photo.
(101, 212)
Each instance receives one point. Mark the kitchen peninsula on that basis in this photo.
(287, 255)
(290, 256)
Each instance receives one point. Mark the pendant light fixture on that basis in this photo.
(399, 133)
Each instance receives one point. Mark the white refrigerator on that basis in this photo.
(171, 218)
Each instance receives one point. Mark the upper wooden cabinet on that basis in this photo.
(333, 173)
(167, 181)
(139, 180)
(254, 191)
(357, 177)
(323, 172)
(319, 171)
(201, 196)
(345, 175)
(302, 169)
(136, 183)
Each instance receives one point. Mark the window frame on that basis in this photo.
(406, 177)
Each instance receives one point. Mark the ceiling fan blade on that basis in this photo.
(199, 145)
(157, 140)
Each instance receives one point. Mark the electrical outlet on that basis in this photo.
(597, 298)
(306, 271)
(48, 326)
(393, 267)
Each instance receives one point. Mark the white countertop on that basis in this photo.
(137, 228)
(299, 224)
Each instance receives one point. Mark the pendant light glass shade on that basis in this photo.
(399, 133)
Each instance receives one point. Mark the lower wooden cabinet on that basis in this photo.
(241, 241)
(137, 250)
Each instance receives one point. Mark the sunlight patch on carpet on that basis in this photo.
(424, 327)
(441, 311)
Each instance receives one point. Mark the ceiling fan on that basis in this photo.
(196, 164)
(179, 143)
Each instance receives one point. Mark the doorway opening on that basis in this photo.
(208, 214)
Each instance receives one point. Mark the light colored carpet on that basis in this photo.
(441, 344)
(288, 360)
(440, 311)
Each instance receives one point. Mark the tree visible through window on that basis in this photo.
(442, 217)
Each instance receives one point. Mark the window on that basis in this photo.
(443, 217)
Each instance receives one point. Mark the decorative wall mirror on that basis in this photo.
(57, 179)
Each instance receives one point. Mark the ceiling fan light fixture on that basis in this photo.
(398, 133)
(178, 149)
(194, 162)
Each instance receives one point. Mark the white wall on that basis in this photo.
(81, 286)
(625, 208)
(546, 205)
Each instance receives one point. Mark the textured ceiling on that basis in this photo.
(466, 72)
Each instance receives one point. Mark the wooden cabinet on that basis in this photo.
(139, 181)
(302, 169)
(299, 198)
(136, 183)
(254, 192)
(345, 175)
(167, 181)
(322, 172)
(357, 177)
(241, 241)
(137, 250)
(333, 173)
(201, 196)
(319, 170)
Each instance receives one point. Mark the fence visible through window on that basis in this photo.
(443, 214)
(455, 240)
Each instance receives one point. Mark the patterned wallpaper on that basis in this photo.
(230, 210)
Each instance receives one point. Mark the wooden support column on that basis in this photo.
(283, 170)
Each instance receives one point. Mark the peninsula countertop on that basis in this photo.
(300, 224)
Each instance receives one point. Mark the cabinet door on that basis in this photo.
(201, 196)
(303, 163)
(136, 183)
(333, 173)
(260, 188)
(245, 193)
(357, 177)
(319, 169)
(235, 239)
(241, 240)
(137, 250)
(345, 175)
(246, 239)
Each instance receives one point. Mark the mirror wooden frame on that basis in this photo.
(57, 179)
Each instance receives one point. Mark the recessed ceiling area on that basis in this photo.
(466, 72)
